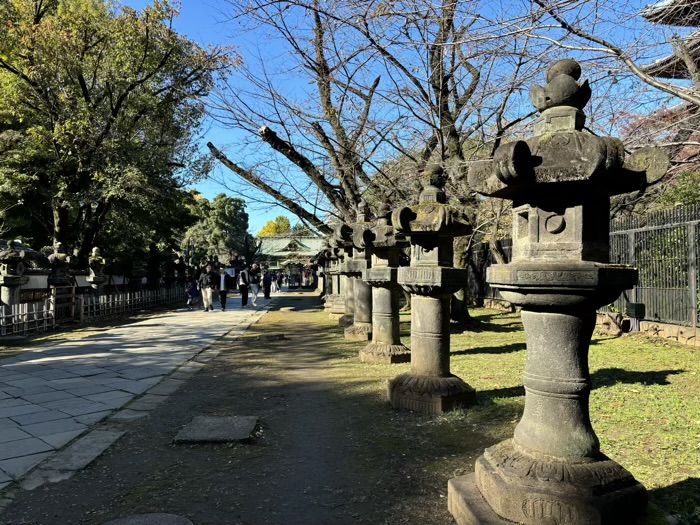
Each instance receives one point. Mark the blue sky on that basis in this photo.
(203, 21)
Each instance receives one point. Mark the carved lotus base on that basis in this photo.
(346, 320)
(429, 394)
(536, 490)
(335, 316)
(359, 332)
(384, 354)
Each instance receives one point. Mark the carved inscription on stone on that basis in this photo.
(539, 509)
(556, 276)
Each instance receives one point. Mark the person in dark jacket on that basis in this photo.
(225, 283)
(267, 283)
(243, 283)
(207, 284)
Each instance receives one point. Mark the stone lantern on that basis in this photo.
(12, 266)
(361, 328)
(59, 261)
(97, 265)
(386, 347)
(342, 236)
(431, 227)
(329, 291)
(560, 182)
(337, 299)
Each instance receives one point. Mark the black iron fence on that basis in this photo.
(664, 246)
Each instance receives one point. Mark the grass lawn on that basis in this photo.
(645, 409)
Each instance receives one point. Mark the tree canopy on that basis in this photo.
(99, 106)
(280, 225)
(222, 229)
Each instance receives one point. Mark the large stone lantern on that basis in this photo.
(12, 266)
(560, 182)
(97, 265)
(431, 227)
(342, 237)
(59, 261)
(361, 328)
(337, 299)
(385, 347)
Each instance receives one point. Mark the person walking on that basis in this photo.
(191, 292)
(224, 285)
(267, 283)
(207, 284)
(254, 282)
(243, 283)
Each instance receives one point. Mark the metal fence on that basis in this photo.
(663, 245)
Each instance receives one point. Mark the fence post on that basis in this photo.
(692, 272)
(632, 262)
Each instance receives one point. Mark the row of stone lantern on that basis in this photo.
(15, 259)
(365, 274)
(560, 181)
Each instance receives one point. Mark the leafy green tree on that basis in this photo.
(99, 106)
(222, 229)
(279, 226)
(683, 190)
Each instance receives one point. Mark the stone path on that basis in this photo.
(52, 394)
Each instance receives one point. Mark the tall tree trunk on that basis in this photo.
(459, 311)
(61, 224)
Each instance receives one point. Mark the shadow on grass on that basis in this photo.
(683, 497)
(612, 376)
(503, 349)
(601, 378)
(479, 326)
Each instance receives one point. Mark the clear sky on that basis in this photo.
(203, 21)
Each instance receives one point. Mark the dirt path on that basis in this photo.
(323, 455)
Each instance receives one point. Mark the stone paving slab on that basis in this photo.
(218, 429)
(52, 394)
(84, 451)
(17, 467)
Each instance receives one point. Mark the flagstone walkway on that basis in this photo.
(52, 394)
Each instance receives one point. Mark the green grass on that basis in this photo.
(644, 406)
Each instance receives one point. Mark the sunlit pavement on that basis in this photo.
(52, 394)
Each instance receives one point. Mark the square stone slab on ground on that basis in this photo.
(218, 429)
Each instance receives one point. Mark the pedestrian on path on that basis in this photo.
(243, 283)
(224, 285)
(207, 284)
(191, 292)
(267, 283)
(254, 276)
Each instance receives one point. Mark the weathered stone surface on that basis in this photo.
(84, 451)
(552, 471)
(218, 429)
(151, 519)
(429, 394)
(431, 227)
(531, 489)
